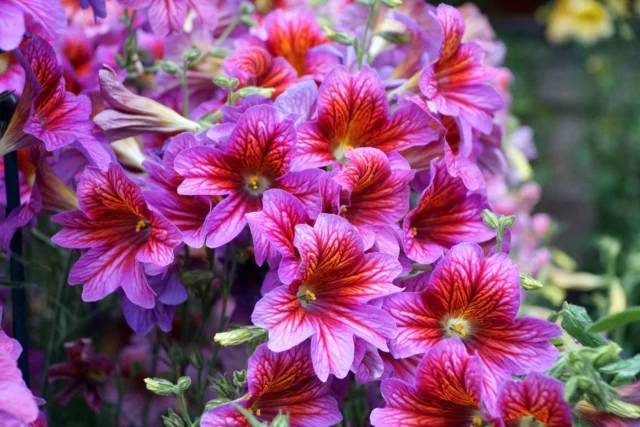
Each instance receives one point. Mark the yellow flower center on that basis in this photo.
(253, 183)
(456, 328)
(141, 225)
(477, 422)
(305, 296)
(343, 209)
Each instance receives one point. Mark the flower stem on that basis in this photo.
(184, 411)
(185, 91)
(232, 25)
(364, 47)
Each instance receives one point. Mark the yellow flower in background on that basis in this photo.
(585, 21)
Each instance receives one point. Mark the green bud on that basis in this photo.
(195, 357)
(239, 336)
(507, 221)
(340, 37)
(623, 409)
(159, 386)
(222, 80)
(215, 403)
(218, 52)
(191, 55)
(172, 420)
(222, 386)
(248, 21)
(183, 384)
(606, 355)
(239, 377)
(169, 67)
(281, 420)
(391, 3)
(529, 283)
(252, 90)
(366, 2)
(395, 37)
(490, 219)
(247, 8)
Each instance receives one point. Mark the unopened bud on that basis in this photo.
(159, 386)
(239, 377)
(222, 81)
(395, 37)
(183, 384)
(623, 409)
(606, 354)
(222, 386)
(507, 221)
(169, 67)
(191, 55)
(247, 8)
(391, 3)
(195, 357)
(218, 52)
(252, 90)
(248, 21)
(490, 219)
(172, 420)
(340, 37)
(215, 403)
(239, 336)
(529, 283)
(366, 2)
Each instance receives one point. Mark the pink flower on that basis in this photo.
(447, 214)
(85, 372)
(48, 15)
(353, 112)
(280, 382)
(447, 392)
(46, 112)
(475, 301)
(328, 299)
(169, 16)
(456, 84)
(538, 398)
(121, 233)
(257, 157)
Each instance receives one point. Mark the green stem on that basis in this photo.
(184, 412)
(232, 25)
(364, 46)
(154, 367)
(185, 91)
(62, 284)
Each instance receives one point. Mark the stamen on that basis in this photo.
(343, 209)
(460, 329)
(348, 147)
(254, 182)
(258, 412)
(141, 225)
(477, 422)
(414, 230)
(310, 295)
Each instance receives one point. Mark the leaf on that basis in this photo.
(576, 322)
(625, 370)
(630, 315)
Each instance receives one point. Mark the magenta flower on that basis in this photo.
(121, 233)
(169, 16)
(447, 392)
(447, 214)
(353, 112)
(280, 382)
(46, 112)
(85, 372)
(189, 213)
(538, 398)
(375, 191)
(48, 15)
(17, 405)
(257, 157)
(328, 299)
(474, 300)
(456, 84)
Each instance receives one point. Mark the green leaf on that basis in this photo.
(630, 315)
(576, 322)
(625, 370)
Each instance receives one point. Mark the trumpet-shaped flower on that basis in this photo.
(447, 392)
(257, 157)
(353, 112)
(456, 84)
(328, 299)
(474, 300)
(447, 214)
(375, 191)
(169, 16)
(46, 112)
(49, 16)
(85, 372)
(121, 233)
(280, 382)
(537, 398)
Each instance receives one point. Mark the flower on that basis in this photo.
(447, 214)
(47, 15)
(537, 398)
(85, 371)
(280, 382)
(585, 21)
(17, 404)
(328, 299)
(257, 157)
(121, 232)
(455, 84)
(474, 300)
(447, 393)
(46, 111)
(132, 115)
(353, 112)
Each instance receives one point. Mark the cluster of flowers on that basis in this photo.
(358, 158)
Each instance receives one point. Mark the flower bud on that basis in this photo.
(215, 403)
(172, 420)
(218, 52)
(395, 37)
(159, 386)
(252, 90)
(239, 377)
(529, 283)
(623, 409)
(605, 355)
(222, 386)
(247, 8)
(169, 67)
(507, 221)
(391, 3)
(191, 55)
(366, 2)
(248, 21)
(195, 357)
(238, 336)
(183, 384)
(222, 80)
(490, 219)
(340, 37)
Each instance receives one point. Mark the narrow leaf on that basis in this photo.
(630, 315)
